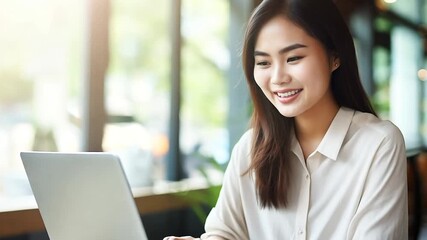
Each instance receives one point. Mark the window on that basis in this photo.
(398, 54)
(40, 83)
(139, 85)
(44, 83)
(138, 88)
(205, 62)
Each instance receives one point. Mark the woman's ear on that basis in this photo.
(335, 63)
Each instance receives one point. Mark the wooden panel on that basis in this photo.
(20, 222)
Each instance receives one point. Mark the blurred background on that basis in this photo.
(160, 82)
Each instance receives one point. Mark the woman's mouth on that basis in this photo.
(288, 93)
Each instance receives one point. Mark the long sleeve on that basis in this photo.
(227, 219)
(382, 212)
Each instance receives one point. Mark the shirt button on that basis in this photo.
(300, 232)
(307, 176)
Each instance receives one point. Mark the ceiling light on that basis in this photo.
(422, 74)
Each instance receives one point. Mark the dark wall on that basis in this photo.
(181, 222)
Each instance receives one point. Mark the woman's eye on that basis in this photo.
(262, 63)
(293, 59)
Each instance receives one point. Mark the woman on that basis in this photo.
(317, 162)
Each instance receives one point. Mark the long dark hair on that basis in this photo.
(272, 131)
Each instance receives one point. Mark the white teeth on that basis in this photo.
(287, 94)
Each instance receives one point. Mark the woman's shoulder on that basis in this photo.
(242, 149)
(244, 142)
(374, 125)
(247, 136)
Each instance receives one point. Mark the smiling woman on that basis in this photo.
(283, 77)
(281, 70)
(315, 142)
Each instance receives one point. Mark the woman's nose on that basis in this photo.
(280, 76)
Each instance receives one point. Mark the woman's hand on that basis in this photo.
(180, 238)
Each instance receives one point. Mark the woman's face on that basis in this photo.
(293, 69)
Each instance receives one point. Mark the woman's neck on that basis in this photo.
(311, 127)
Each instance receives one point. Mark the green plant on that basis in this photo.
(203, 201)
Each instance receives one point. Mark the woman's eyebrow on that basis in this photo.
(283, 50)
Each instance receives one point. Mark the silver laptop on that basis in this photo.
(84, 196)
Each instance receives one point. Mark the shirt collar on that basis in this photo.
(332, 141)
(295, 146)
(334, 137)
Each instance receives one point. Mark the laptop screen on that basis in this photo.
(83, 196)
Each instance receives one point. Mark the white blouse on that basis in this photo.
(352, 187)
